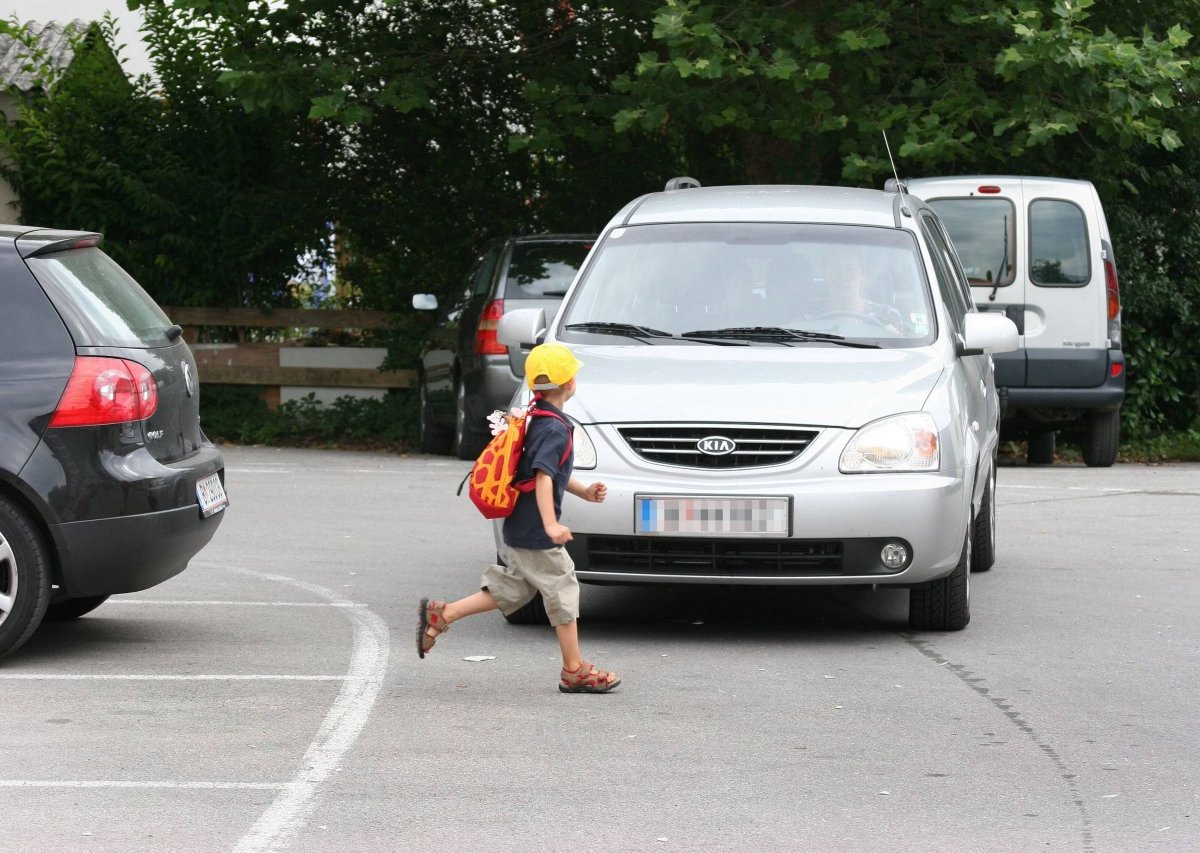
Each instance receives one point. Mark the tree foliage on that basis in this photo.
(419, 129)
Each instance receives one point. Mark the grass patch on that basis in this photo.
(1169, 447)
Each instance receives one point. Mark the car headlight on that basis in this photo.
(906, 442)
(585, 451)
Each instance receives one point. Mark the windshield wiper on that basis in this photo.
(630, 330)
(778, 334)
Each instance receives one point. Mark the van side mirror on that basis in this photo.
(424, 302)
(986, 332)
(525, 327)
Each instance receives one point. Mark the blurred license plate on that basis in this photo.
(210, 494)
(712, 516)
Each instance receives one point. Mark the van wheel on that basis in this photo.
(944, 604)
(434, 438)
(984, 554)
(1100, 442)
(1041, 448)
(533, 613)
(73, 608)
(24, 577)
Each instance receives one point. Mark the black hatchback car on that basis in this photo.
(107, 483)
(465, 372)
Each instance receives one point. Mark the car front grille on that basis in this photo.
(754, 446)
(717, 557)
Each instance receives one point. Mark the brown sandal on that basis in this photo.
(588, 679)
(430, 615)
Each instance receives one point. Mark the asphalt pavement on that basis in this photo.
(270, 697)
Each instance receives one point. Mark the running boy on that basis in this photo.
(538, 562)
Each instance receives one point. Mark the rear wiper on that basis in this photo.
(553, 293)
(778, 332)
(636, 332)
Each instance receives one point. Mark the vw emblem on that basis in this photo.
(716, 445)
(188, 382)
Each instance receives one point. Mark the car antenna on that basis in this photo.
(900, 188)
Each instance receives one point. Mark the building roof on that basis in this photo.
(52, 46)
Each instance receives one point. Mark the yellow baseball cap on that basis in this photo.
(554, 361)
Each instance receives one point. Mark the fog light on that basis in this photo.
(894, 555)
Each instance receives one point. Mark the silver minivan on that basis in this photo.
(781, 385)
(1038, 250)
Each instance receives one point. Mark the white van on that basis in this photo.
(1038, 250)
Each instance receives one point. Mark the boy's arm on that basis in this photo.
(543, 489)
(595, 493)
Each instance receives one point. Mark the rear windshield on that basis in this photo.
(983, 233)
(100, 302)
(858, 282)
(543, 269)
(1058, 244)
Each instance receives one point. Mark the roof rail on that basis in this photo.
(681, 183)
(891, 185)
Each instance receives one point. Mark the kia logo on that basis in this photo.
(716, 445)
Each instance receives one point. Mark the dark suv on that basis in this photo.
(466, 373)
(107, 483)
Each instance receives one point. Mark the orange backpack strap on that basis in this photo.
(527, 485)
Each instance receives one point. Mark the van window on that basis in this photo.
(854, 281)
(1058, 244)
(100, 303)
(984, 235)
(543, 269)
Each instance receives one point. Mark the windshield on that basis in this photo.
(755, 280)
(100, 302)
(982, 230)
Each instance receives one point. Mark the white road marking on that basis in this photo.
(1064, 488)
(54, 676)
(224, 786)
(186, 602)
(339, 731)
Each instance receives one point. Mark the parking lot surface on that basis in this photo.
(270, 696)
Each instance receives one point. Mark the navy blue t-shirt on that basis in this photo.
(546, 440)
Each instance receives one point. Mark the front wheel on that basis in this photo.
(944, 604)
(1100, 442)
(434, 438)
(24, 577)
(533, 613)
(469, 441)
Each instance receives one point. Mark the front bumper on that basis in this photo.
(839, 524)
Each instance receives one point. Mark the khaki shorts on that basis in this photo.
(530, 571)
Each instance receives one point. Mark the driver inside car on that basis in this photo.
(849, 287)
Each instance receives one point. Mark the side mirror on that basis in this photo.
(524, 327)
(987, 332)
(424, 302)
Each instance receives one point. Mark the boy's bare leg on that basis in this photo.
(480, 602)
(568, 641)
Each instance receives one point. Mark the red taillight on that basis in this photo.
(1114, 291)
(106, 391)
(1116, 369)
(989, 190)
(486, 342)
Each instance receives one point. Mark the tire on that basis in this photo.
(434, 438)
(24, 577)
(533, 613)
(983, 555)
(468, 441)
(944, 604)
(1041, 448)
(73, 608)
(1100, 441)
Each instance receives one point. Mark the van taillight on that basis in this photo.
(989, 190)
(1114, 303)
(106, 391)
(1114, 291)
(486, 342)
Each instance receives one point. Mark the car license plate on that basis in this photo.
(668, 515)
(210, 494)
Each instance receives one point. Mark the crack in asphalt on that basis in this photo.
(1161, 494)
(979, 686)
